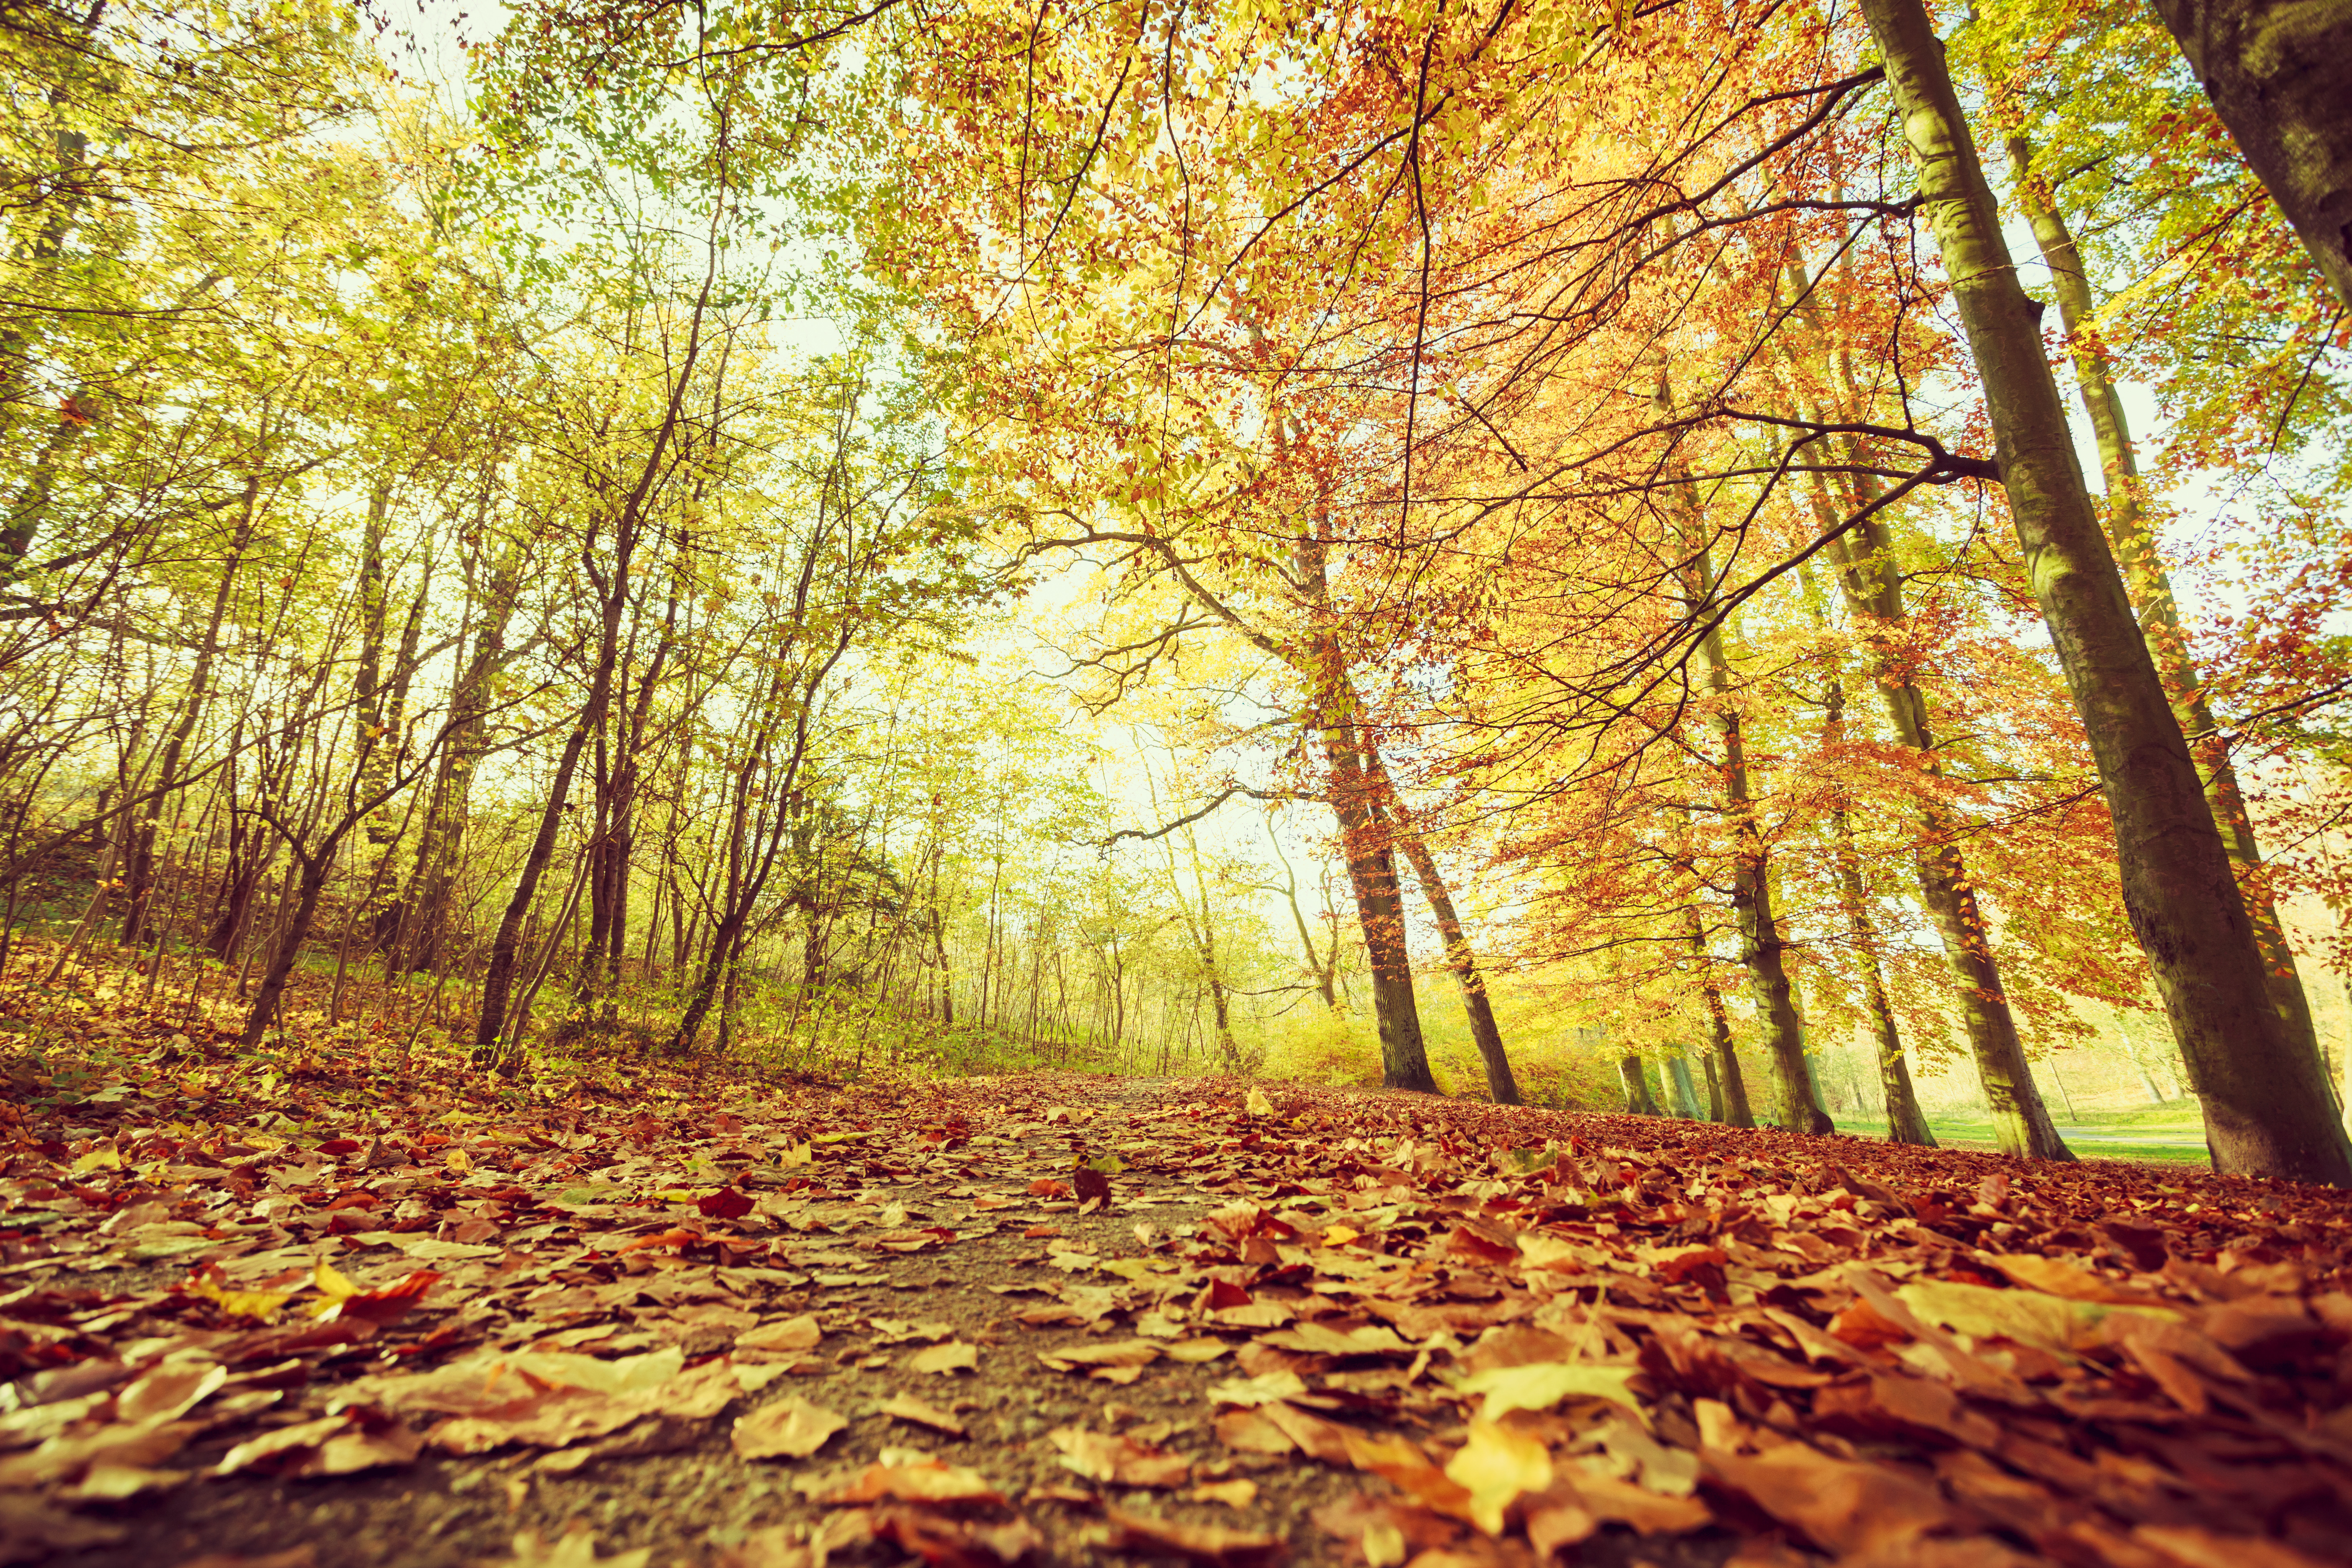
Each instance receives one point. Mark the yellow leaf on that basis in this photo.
(105, 1157)
(1498, 1467)
(798, 1154)
(333, 1280)
(1540, 1386)
(1256, 1103)
(264, 1305)
(459, 1161)
(952, 1357)
(1341, 1234)
(2031, 1317)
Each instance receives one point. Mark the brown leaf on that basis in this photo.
(2201, 1548)
(1321, 1439)
(914, 1478)
(953, 1356)
(947, 1543)
(1482, 1243)
(1117, 1352)
(2062, 1277)
(907, 1407)
(1844, 1506)
(800, 1333)
(1397, 1462)
(790, 1428)
(1249, 1432)
(1605, 1497)
(1119, 1460)
(1201, 1542)
(1319, 1339)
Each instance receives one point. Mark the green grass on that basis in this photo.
(2171, 1133)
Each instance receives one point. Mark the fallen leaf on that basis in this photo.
(952, 1357)
(1249, 1432)
(1262, 1389)
(1321, 1439)
(800, 1333)
(1496, 1466)
(914, 1478)
(1119, 1460)
(1842, 1505)
(947, 1543)
(1397, 1461)
(1201, 1542)
(792, 1429)
(575, 1548)
(907, 1407)
(1540, 1386)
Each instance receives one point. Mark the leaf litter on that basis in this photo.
(1205, 1323)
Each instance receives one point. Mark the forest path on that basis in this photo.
(1065, 1319)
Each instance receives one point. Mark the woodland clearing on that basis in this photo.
(283, 1310)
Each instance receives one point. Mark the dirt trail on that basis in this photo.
(1062, 1320)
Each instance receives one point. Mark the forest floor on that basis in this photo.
(293, 1312)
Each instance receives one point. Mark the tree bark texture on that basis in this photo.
(1638, 1099)
(1380, 908)
(2275, 72)
(2266, 1112)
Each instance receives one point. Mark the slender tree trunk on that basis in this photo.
(1906, 1123)
(2275, 71)
(2151, 587)
(1726, 1084)
(1380, 907)
(2021, 1124)
(142, 845)
(1761, 946)
(2266, 1112)
(1501, 1086)
(293, 931)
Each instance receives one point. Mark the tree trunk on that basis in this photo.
(1379, 906)
(1501, 1086)
(1906, 1123)
(292, 935)
(1679, 1089)
(2150, 586)
(142, 845)
(1762, 945)
(2266, 66)
(1726, 1084)
(2266, 1112)
(1638, 1101)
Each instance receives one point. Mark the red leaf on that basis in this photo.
(727, 1203)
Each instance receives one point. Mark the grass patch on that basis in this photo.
(2172, 1133)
